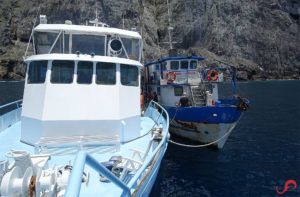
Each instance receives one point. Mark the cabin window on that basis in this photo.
(84, 72)
(178, 91)
(132, 48)
(44, 41)
(37, 71)
(157, 67)
(193, 64)
(163, 66)
(129, 75)
(62, 71)
(184, 65)
(105, 73)
(66, 45)
(174, 65)
(87, 44)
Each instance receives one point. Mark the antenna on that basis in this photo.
(96, 22)
(170, 28)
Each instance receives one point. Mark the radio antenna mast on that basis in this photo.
(170, 28)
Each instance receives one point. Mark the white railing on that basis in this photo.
(10, 118)
(83, 158)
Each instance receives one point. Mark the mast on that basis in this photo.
(96, 22)
(170, 28)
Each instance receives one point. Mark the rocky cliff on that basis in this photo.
(261, 38)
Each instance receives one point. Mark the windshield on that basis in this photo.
(68, 43)
(132, 47)
(87, 44)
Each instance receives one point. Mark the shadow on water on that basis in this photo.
(262, 152)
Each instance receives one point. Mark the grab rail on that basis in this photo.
(82, 158)
(150, 158)
(8, 104)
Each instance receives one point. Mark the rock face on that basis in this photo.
(261, 38)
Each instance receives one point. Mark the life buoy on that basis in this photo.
(213, 75)
(171, 76)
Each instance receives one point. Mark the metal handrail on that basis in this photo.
(8, 104)
(142, 169)
(82, 158)
(75, 181)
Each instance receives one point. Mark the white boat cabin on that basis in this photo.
(82, 86)
(170, 77)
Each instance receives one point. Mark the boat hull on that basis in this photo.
(150, 178)
(140, 185)
(204, 124)
(203, 133)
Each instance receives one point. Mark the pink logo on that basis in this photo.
(287, 186)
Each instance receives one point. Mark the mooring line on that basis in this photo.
(202, 145)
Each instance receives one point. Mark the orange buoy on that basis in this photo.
(213, 75)
(171, 76)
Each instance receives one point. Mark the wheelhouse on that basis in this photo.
(82, 81)
(170, 77)
(184, 70)
(73, 39)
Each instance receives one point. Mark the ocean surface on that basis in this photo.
(262, 152)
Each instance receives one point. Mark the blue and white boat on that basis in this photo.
(79, 130)
(207, 119)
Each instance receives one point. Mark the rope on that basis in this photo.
(202, 145)
(174, 114)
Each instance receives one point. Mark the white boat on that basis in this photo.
(79, 131)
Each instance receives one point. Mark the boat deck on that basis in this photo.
(10, 139)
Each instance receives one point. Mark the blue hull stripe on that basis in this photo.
(225, 114)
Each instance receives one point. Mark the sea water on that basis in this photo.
(262, 152)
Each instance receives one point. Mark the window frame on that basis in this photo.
(190, 65)
(178, 64)
(61, 82)
(115, 66)
(178, 87)
(137, 78)
(28, 72)
(77, 66)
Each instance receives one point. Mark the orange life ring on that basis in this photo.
(213, 75)
(171, 76)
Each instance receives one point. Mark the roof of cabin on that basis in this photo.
(83, 57)
(175, 58)
(82, 29)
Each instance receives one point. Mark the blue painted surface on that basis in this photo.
(225, 113)
(10, 138)
(83, 158)
(172, 84)
(175, 58)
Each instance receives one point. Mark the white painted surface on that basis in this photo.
(83, 57)
(83, 29)
(54, 110)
